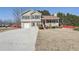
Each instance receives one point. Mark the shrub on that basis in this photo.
(76, 29)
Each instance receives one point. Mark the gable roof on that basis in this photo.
(36, 12)
(27, 12)
(30, 12)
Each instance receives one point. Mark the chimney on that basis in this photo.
(55, 14)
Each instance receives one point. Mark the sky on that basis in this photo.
(6, 13)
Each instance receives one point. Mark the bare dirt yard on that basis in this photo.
(57, 40)
(3, 29)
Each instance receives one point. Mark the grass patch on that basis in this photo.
(77, 29)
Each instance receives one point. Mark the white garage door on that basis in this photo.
(27, 25)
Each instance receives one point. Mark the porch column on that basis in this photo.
(45, 23)
(51, 23)
(58, 22)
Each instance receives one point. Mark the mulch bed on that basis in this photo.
(72, 27)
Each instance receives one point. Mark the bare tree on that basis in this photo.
(17, 14)
(1, 22)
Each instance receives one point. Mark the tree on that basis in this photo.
(44, 12)
(17, 15)
(62, 17)
(73, 19)
(1, 22)
(69, 19)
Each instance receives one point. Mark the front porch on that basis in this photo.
(49, 23)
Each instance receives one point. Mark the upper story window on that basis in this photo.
(31, 17)
(25, 17)
(35, 17)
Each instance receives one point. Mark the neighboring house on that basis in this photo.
(15, 26)
(4, 25)
(35, 18)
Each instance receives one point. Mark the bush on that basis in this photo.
(76, 24)
(76, 29)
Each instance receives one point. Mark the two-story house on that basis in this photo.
(30, 18)
(34, 18)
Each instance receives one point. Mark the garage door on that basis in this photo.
(27, 25)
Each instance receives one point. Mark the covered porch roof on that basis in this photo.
(50, 18)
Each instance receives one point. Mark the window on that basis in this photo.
(32, 17)
(35, 17)
(25, 17)
(54, 21)
(48, 21)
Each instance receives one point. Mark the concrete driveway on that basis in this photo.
(58, 40)
(18, 40)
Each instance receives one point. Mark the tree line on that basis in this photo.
(65, 19)
(69, 19)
